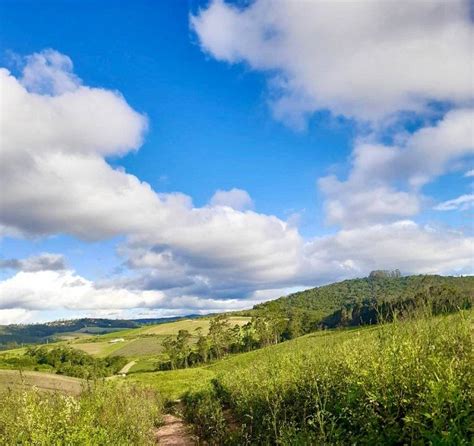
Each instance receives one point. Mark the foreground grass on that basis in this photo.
(401, 383)
(102, 414)
(174, 384)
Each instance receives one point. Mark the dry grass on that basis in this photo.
(43, 381)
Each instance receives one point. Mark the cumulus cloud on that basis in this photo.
(16, 316)
(182, 258)
(235, 198)
(385, 182)
(354, 252)
(404, 244)
(49, 72)
(367, 59)
(67, 186)
(42, 262)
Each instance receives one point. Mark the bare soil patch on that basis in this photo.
(174, 432)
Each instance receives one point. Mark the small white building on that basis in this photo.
(114, 341)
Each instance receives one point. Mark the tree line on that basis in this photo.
(188, 349)
(72, 362)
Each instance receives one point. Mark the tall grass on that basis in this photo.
(409, 382)
(103, 414)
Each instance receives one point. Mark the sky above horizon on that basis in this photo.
(178, 157)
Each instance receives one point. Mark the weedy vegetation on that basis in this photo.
(103, 413)
(408, 382)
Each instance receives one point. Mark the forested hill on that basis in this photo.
(381, 287)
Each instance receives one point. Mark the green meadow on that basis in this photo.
(397, 373)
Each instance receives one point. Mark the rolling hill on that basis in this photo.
(380, 286)
(13, 334)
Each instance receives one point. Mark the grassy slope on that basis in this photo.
(44, 381)
(173, 384)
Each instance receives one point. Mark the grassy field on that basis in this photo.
(101, 414)
(191, 325)
(99, 349)
(174, 384)
(139, 347)
(44, 381)
(407, 382)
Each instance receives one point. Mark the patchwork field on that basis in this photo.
(43, 381)
(191, 325)
(143, 346)
(144, 342)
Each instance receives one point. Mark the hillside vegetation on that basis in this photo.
(313, 305)
(408, 382)
(395, 370)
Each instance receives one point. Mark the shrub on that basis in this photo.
(203, 409)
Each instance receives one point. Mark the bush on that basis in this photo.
(102, 414)
(204, 410)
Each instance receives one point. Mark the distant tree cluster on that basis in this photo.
(72, 362)
(222, 339)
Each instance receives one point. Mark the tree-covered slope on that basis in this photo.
(322, 301)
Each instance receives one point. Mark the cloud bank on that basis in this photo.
(55, 179)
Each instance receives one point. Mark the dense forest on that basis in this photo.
(380, 287)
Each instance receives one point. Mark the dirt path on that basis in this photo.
(126, 368)
(174, 432)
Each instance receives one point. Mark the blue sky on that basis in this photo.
(237, 98)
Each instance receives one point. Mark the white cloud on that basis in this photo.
(365, 59)
(462, 203)
(67, 186)
(384, 181)
(49, 72)
(28, 296)
(404, 245)
(235, 198)
(469, 173)
(16, 316)
(183, 258)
